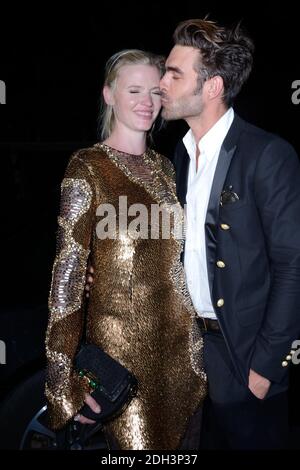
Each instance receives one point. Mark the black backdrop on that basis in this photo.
(51, 62)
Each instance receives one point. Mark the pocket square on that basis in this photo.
(228, 196)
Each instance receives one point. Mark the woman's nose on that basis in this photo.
(147, 99)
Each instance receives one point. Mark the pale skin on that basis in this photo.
(201, 109)
(136, 101)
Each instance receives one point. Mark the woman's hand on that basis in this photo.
(95, 407)
(89, 279)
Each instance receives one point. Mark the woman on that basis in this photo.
(139, 310)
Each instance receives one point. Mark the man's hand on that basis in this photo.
(258, 384)
(95, 407)
(89, 279)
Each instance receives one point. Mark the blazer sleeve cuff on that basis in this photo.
(272, 362)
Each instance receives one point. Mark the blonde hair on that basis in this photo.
(106, 119)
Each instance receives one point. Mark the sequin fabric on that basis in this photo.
(139, 310)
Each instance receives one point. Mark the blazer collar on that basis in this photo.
(182, 159)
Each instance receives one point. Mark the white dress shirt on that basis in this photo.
(198, 193)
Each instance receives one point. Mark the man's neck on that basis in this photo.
(201, 124)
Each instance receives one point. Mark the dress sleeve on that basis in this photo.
(64, 390)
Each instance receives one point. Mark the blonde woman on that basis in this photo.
(139, 310)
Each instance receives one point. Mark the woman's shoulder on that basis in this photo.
(87, 159)
(164, 162)
(89, 154)
(84, 163)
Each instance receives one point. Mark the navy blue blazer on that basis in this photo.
(256, 295)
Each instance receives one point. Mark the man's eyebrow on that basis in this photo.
(170, 68)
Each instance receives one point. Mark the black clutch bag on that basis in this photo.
(112, 385)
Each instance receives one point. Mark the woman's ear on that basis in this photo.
(108, 95)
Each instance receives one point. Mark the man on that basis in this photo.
(241, 187)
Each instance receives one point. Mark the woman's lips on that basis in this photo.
(145, 114)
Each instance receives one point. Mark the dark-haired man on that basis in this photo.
(241, 187)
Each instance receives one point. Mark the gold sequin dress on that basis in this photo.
(139, 310)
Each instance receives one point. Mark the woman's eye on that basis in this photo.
(157, 93)
(133, 91)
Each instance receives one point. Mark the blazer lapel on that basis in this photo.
(213, 211)
(181, 163)
(226, 153)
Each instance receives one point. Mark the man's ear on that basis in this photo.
(215, 87)
(108, 95)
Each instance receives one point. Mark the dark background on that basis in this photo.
(52, 62)
(52, 59)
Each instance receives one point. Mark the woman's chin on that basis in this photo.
(144, 127)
